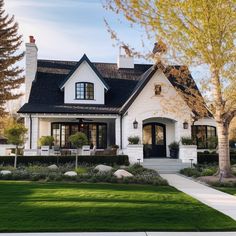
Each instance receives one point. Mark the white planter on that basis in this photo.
(31, 152)
(44, 150)
(188, 152)
(135, 153)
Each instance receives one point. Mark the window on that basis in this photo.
(84, 91)
(204, 136)
(96, 133)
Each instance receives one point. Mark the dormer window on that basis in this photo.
(84, 91)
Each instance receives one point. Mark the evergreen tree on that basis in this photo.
(10, 74)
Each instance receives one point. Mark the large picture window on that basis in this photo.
(84, 91)
(96, 133)
(204, 136)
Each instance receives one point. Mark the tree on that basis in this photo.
(46, 141)
(196, 32)
(10, 74)
(78, 140)
(15, 135)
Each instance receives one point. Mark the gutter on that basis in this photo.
(30, 134)
(121, 132)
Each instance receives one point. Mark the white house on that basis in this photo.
(109, 102)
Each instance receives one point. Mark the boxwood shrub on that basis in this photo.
(26, 160)
(209, 158)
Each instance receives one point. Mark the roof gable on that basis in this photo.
(84, 58)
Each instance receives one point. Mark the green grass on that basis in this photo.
(230, 190)
(34, 206)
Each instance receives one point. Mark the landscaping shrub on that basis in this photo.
(27, 160)
(85, 173)
(200, 170)
(205, 158)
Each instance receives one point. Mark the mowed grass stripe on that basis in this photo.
(33, 207)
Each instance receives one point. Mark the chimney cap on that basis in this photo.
(31, 39)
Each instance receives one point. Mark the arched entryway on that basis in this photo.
(154, 140)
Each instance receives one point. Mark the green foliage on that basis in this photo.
(133, 139)
(58, 207)
(11, 75)
(78, 140)
(205, 158)
(212, 142)
(81, 170)
(200, 170)
(16, 134)
(46, 141)
(187, 141)
(174, 146)
(28, 160)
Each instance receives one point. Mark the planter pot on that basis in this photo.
(174, 153)
(135, 153)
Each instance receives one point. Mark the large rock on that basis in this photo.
(122, 173)
(70, 173)
(103, 168)
(5, 172)
(53, 167)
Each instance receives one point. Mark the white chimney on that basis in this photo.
(125, 60)
(31, 57)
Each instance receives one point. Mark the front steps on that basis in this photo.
(165, 165)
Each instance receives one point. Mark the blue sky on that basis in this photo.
(66, 29)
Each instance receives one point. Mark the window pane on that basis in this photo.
(89, 91)
(65, 133)
(56, 134)
(92, 135)
(159, 135)
(79, 91)
(147, 134)
(102, 136)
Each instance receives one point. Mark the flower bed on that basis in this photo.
(85, 173)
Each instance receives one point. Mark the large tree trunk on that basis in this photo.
(223, 148)
(222, 125)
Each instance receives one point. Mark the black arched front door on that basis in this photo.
(154, 140)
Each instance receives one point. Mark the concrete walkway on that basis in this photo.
(127, 234)
(218, 200)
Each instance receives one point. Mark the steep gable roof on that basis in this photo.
(84, 58)
(124, 85)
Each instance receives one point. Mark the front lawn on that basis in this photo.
(34, 206)
(230, 190)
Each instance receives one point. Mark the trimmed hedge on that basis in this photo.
(208, 158)
(108, 160)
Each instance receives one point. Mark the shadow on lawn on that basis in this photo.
(28, 207)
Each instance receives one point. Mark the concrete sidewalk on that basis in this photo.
(127, 234)
(218, 200)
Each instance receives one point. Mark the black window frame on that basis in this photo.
(87, 93)
(70, 124)
(206, 135)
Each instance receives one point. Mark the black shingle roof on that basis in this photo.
(47, 97)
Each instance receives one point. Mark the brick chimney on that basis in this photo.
(31, 57)
(125, 59)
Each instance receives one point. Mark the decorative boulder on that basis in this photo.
(53, 167)
(103, 168)
(70, 173)
(5, 172)
(122, 173)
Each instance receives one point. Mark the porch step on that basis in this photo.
(165, 165)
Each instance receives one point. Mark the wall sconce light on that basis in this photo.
(185, 125)
(135, 124)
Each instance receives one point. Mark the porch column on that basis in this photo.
(35, 132)
(117, 131)
(27, 126)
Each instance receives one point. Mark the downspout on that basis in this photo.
(121, 146)
(30, 134)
